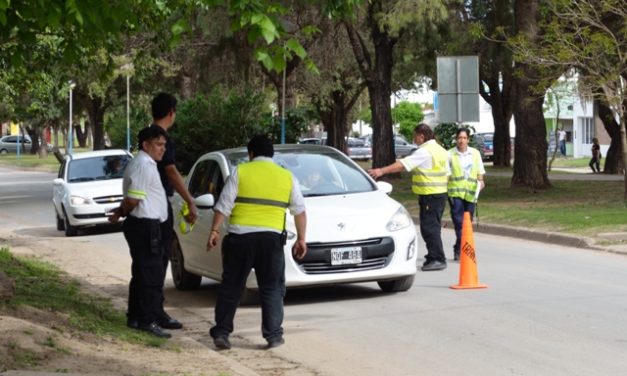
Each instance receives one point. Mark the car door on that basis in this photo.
(58, 189)
(207, 177)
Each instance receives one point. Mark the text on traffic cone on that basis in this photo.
(468, 278)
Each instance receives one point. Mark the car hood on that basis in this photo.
(99, 188)
(348, 217)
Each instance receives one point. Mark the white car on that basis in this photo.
(355, 231)
(88, 188)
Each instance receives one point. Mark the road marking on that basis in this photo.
(5, 198)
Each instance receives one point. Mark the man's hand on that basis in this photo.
(213, 240)
(115, 215)
(375, 173)
(193, 213)
(299, 249)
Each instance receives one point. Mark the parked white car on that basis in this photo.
(355, 231)
(88, 188)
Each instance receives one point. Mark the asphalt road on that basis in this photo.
(548, 310)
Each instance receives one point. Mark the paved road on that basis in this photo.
(548, 310)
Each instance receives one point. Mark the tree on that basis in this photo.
(374, 34)
(407, 115)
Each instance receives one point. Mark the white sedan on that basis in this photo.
(355, 231)
(88, 188)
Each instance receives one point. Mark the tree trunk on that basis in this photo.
(500, 101)
(43, 148)
(96, 110)
(531, 145)
(614, 158)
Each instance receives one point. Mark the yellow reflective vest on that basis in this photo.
(263, 195)
(464, 187)
(434, 180)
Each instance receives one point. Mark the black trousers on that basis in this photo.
(145, 289)
(167, 235)
(431, 210)
(458, 207)
(264, 252)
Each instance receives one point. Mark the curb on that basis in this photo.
(536, 235)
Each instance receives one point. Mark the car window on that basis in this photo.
(319, 174)
(206, 178)
(97, 168)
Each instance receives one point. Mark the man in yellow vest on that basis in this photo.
(430, 168)
(256, 196)
(465, 182)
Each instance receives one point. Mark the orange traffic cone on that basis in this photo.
(468, 278)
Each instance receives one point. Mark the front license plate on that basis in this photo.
(344, 256)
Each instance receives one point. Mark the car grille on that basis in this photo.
(108, 199)
(376, 254)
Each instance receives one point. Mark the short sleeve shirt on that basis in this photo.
(169, 158)
(420, 158)
(466, 160)
(141, 182)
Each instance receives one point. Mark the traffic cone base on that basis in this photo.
(468, 278)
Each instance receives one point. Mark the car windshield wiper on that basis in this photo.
(84, 178)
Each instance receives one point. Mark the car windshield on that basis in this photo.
(319, 174)
(97, 168)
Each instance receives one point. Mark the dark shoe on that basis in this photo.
(132, 323)
(275, 342)
(222, 343)
(168, 322)
(456, 257)
(154, 329)
(433, 265)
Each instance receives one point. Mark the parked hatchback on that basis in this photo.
(9, 144)
(355, 231)
(88, 188)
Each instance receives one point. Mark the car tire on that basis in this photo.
(4, 151)
(69, 229)
(397, 285)
(183, 280)
(60, 222)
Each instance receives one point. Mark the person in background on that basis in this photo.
(595, 161)
(465, 182)
(430, 168)
(163, 114)
(256, 197)
(561, 137)
(145, 208)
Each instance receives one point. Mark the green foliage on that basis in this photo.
(225, 118)
(115, 125)
(445, 134)
(407, 115)
(297, 121)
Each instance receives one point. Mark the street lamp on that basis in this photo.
(69, 133)
(128, 69)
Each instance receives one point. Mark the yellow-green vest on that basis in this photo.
(458, 185)
(263, 195)
(434, 180)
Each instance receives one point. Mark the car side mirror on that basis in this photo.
(205, 201)
(385, 187)
(57, 181)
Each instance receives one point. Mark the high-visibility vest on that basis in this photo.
(434, 180)
(460, 186)
(263, 195)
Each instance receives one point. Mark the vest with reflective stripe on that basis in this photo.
(458, 186)
(431, 181)
(263, 194)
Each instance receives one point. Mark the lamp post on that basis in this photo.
(69, 133)
(128, 69)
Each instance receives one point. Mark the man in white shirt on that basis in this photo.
(430, 168)
(561, 137)
(145, 208)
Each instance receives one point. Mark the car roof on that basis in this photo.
(98, 153)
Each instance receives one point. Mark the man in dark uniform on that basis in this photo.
(256, 197)
(145, 208)
(164, 114)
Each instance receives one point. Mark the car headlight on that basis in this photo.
(78, 200)
(400, 220)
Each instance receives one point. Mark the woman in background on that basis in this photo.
(595, 161)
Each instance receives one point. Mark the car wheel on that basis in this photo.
(183, 280)
(60, 223)
(4, 151)
(69, 229)
(397, 285)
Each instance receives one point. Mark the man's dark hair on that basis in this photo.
(261, 146)
(424, 130)
(149, 133)
(162, 104)
(465, 130)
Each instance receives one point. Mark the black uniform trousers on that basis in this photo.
(431, 210)
(458, 208)
(167, 235)
(264, 252)
(145, 289)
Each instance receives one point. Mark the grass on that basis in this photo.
(574, 207)
(572, 162)
(43, 286)
(49, 163)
